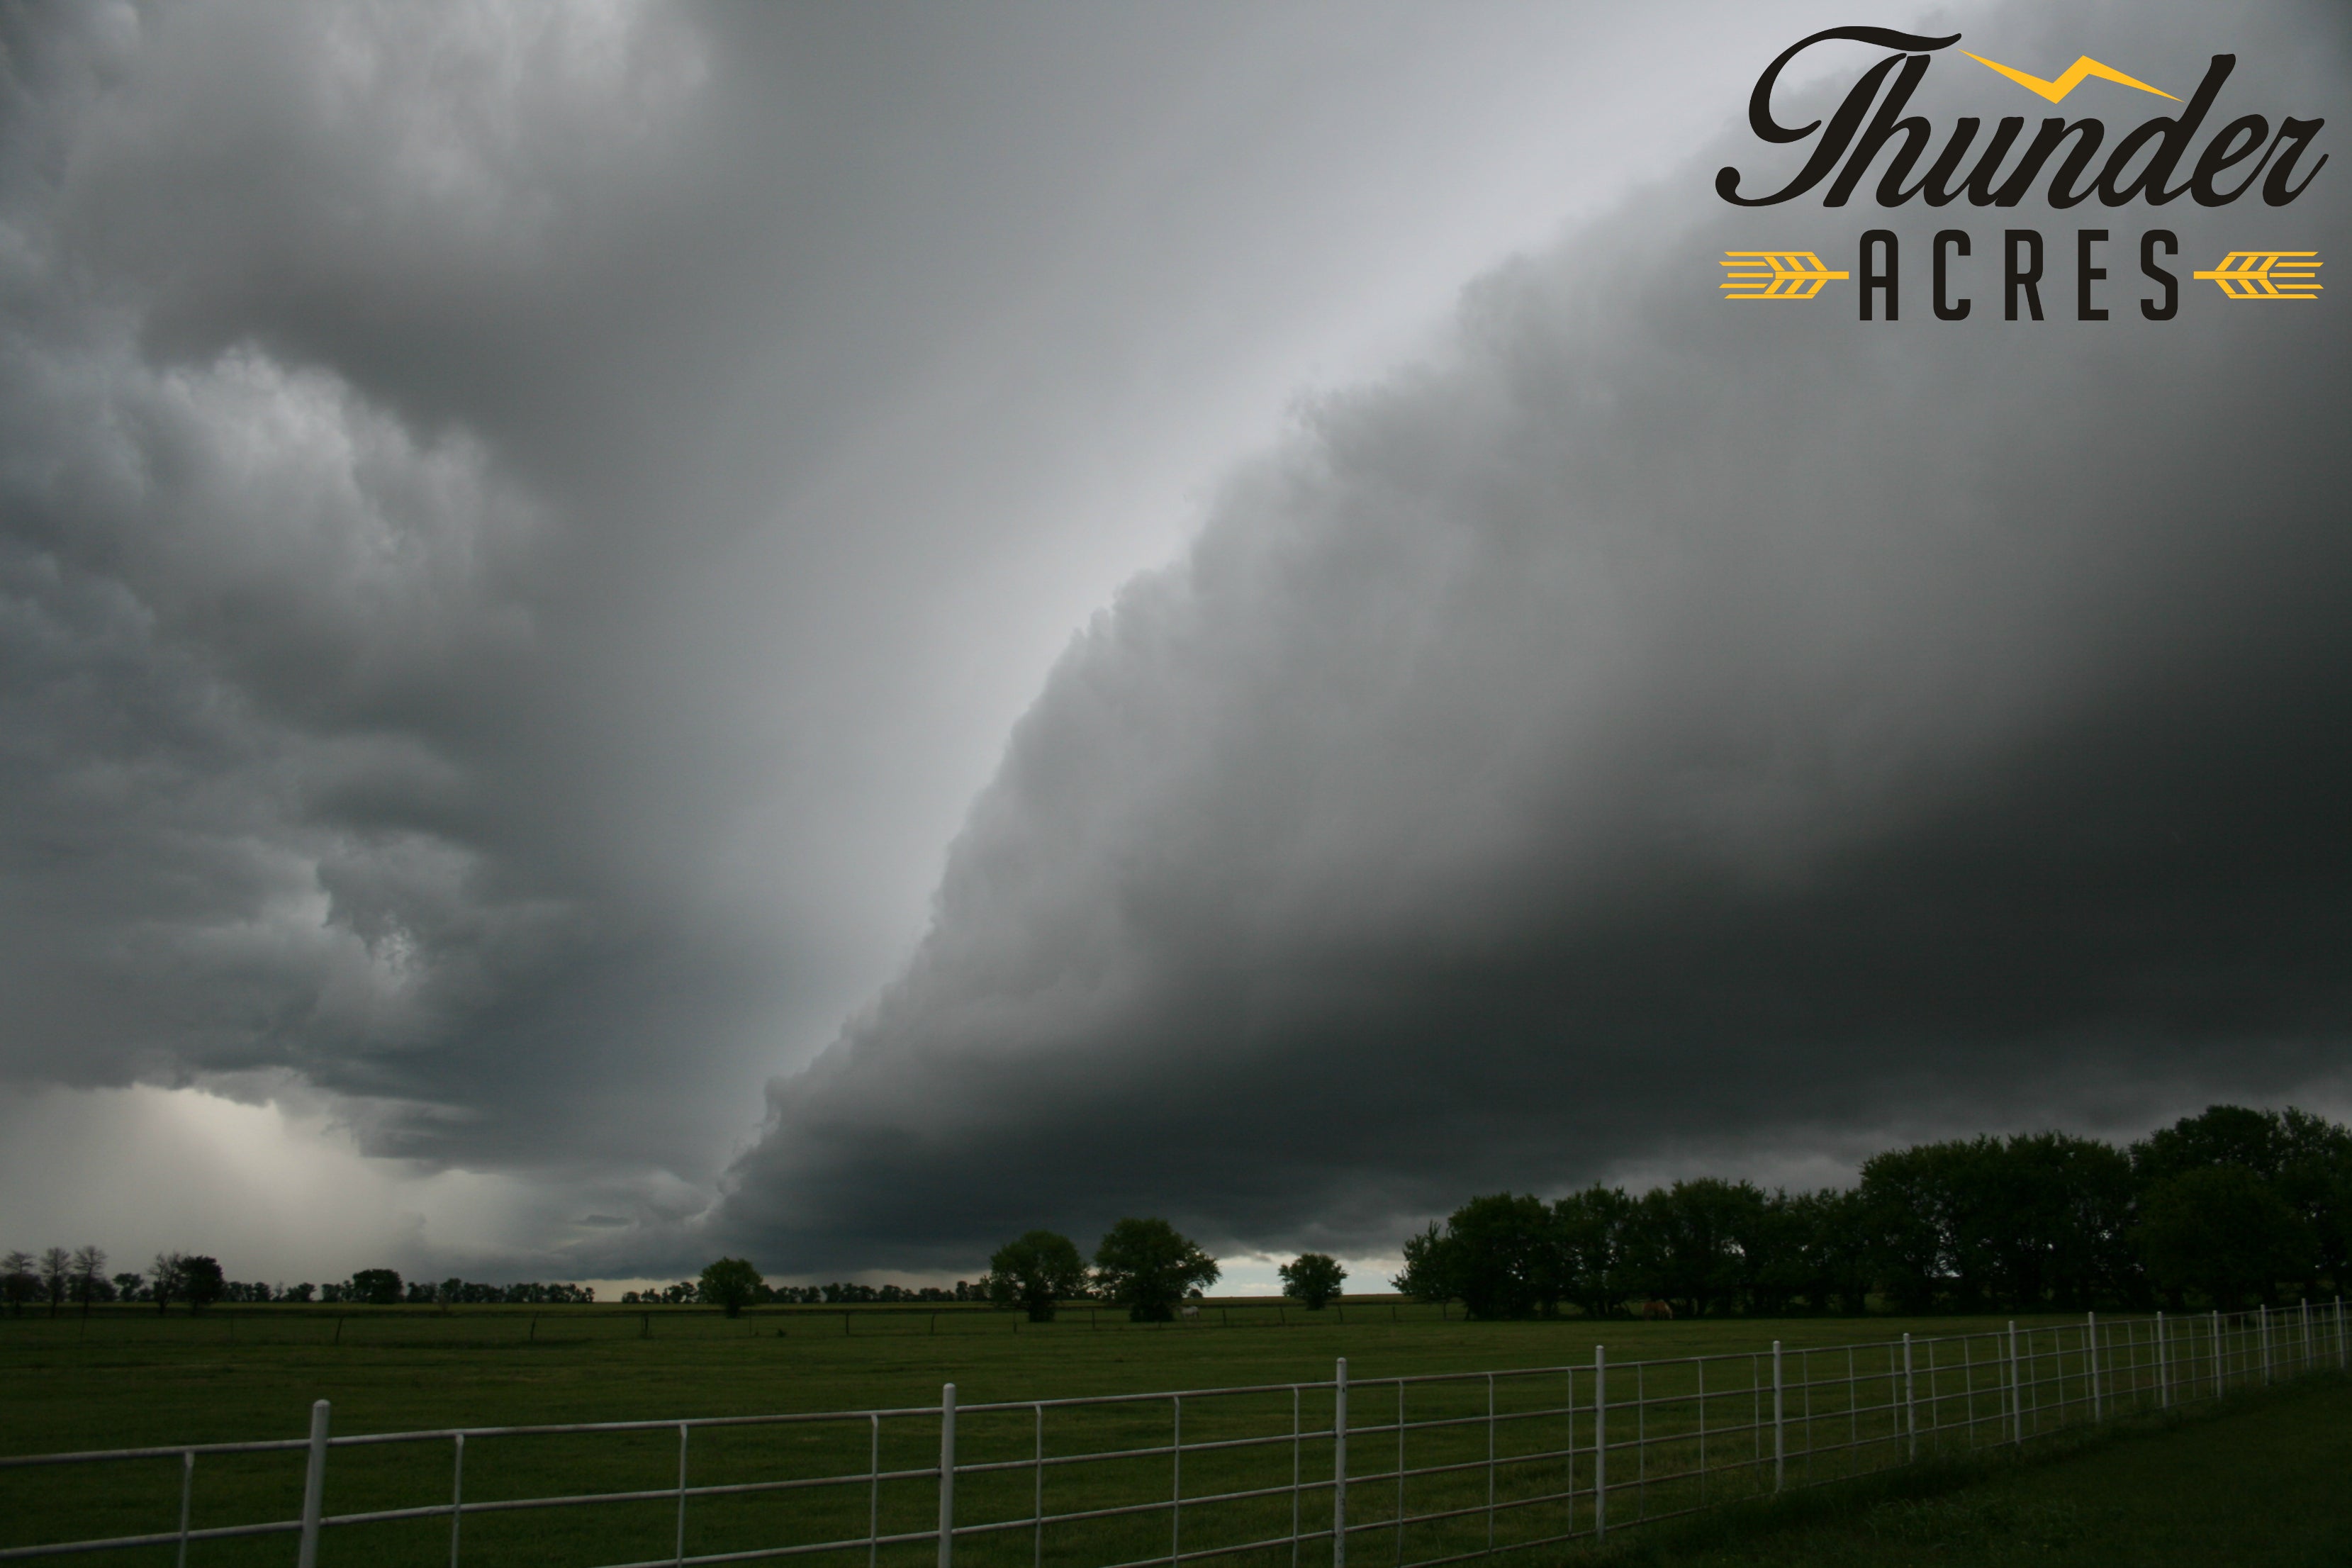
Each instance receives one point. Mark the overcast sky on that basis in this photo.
(838, 632)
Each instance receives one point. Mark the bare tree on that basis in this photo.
(57, 1273)
(90, 1276)
(166, 1272)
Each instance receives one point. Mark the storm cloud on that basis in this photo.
(1647, 723)
(524, 529)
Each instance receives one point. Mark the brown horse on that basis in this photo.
(1656, 1311)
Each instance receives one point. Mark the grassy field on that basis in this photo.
(2259, 1484)
(134, 1378)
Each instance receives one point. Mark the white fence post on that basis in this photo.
(683, 1432)
(1910, 1409)
(947, 1474)
(1600, 1443)
(2220, 1378)
(456, 1498)
(1340, 1466)
(314, 1487)
(1176, 1478)
(2016, 1390)
(2091, 1354)
(1779, 1446)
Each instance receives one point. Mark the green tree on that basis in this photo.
(1589, 1247)
(1147, 1267)
(1836, 1250)
(200, 1280)
(1907, 1216)
(2217, 1135)
(1429, 1272)
(1313, 1278)
(2224, 1231)
(18, 1283)
(731, 1283)
(2307, 1160)
(1037, 1271)
(1496, 1256)
(376, 1286)
(1682, 1242)
(1769, 1234)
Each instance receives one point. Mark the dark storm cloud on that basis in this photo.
(521, 528)
(1657, 721)
(285, 619)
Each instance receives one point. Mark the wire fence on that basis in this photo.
(1413, 1470)
(411, 1325)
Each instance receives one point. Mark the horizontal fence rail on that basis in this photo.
(1418, 1470)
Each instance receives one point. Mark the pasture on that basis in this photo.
(129, 1377)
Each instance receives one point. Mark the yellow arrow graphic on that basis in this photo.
(2266, 274)
(1776, 275)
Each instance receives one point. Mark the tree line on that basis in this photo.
(58, 1278)
(1144, 1265)
(691, 1293)
(2222, 1209)
(1141, 1264)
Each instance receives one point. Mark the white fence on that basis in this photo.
(1414, 1470)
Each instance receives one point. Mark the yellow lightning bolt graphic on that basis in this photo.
(2070, 79)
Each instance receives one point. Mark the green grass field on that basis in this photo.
(131, 1378)
(2260, 1483)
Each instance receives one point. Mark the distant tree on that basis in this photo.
(2252, 1140)
(375, 1287)
(18, 1282)
(1588, 1235)
(200, 1281)
(56, 1275)
(2315, 1179)
(301, 1292)
(1314, 1277)
(1429, 1272)
(1769, 1235)
(1036, 1272)
(1498, 1254)
(130, 1286)
(1835, 1248)
(2224, 1231)
(163, 1277)
(1147, 1267)
(90, 1281)
(1683, 1242)
(731, 1283)
(1906, 1216)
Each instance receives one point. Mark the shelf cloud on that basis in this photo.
(1654, 721)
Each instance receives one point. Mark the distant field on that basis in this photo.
(130, 1378)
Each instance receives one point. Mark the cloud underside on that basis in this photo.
(1655, 722)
